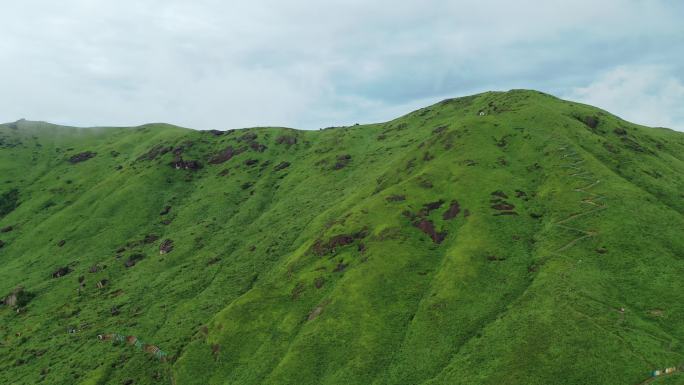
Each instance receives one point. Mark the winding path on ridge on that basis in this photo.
(597, 201)
(598, 204)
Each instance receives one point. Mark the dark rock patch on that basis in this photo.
(425, 183)
(536, 215)
(94, 268)
(225, 155)
(8, 202)
(620, 131)
(258, 147)
(61, 272)
(426, 226)
(133, 259)
(288, 140)
(180, 164)
(248, 137)
(318, 282)
(165, 210)
(500, 194)
(224, 172)
(321, 248)
(82, 157)
(154, 152)
(439, 129)
(395, 198)
(246, 185)
(342, 161)
(150, 238)
(601, 250)
(503, 206)
(251, 162)
(430, 206)
(282, 166)
(589, 121)
(166, 246)
(340, 267)
(61, 243)
(452, 211)
(520, 194)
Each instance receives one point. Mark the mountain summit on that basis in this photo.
(501, 238)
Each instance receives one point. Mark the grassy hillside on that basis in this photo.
(501, 238)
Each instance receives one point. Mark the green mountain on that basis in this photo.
(501, 238)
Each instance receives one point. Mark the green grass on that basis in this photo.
(503, 299)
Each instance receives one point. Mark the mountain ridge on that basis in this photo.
(306, 256)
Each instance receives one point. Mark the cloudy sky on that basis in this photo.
(309, 64)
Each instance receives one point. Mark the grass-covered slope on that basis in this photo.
(502, 238)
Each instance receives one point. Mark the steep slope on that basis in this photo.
(499, 238)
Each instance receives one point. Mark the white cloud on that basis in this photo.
(649, 95)
(306, 63)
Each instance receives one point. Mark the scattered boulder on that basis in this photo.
(19, 297)
(6, 229)
(313, 314)
(251, 162)
(82, 157)
(94, 268)
(165, 210)
(61, 272)
(452, 211)
(620, 131)
(282, 166)
(318, 282)
(166, 246)
(114, 310)
(61, 243)
(102, 283)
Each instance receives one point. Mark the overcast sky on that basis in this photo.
(309, 64)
